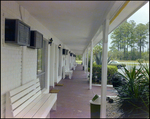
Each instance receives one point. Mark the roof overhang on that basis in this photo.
(76, 23)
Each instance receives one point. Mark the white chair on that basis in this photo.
(67, 72)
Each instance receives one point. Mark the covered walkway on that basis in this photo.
(73, 97)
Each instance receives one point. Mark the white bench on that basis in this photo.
(67, 72)
(74, 66)
(27, 101)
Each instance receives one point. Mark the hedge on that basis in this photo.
(96, 77)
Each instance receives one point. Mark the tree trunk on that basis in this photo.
(140, 48)
(127, 51)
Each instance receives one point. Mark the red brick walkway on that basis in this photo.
(73, 97)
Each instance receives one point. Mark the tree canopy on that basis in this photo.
(130, 40)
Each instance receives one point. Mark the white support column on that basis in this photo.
(91, 65)
(69, 62)
(87, 63)
(52, 57)
(104, 69)
(61, 60)
(83, 59)
(54, 68)
(47, 58)
(56, 63)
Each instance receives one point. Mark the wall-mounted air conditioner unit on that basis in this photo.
(67, 52)
(36, 40)
(17, 32)
(71, 54)
(64, 51)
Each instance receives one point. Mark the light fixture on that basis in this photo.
(59, 46)
(50, 41)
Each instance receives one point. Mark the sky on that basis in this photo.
(140, 16)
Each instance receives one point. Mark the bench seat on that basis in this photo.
(27, 101)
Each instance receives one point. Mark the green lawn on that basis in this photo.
(125, 61)
(79, 61)
(128, 61)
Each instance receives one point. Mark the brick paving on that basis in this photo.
(74, 96)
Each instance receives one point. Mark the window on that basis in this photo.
(39, 61)
(41, 65)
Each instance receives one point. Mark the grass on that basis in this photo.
(131, 61)
(79, 61)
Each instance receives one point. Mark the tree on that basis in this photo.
(78, 57)
(96, 49)
(141, 36)
(128, 37)
(132, 38)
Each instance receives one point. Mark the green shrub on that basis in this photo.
(134, 95)
(97, 69)
(140, 60)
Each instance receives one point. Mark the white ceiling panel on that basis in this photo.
(73, 22)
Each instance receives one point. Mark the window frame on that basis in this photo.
(42, 73)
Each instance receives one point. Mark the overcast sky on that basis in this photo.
(140, 16)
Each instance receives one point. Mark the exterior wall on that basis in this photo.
(11, 57)
(30, 65)
(19, 63)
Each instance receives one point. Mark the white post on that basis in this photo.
(61, 62)
(82, 58)
(56, 63)
(52, 65)
(91, 65)
(54, 68)
(87, 63)
(47, 58)
(70, 61)
(104, 69)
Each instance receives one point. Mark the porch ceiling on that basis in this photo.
(73, 22)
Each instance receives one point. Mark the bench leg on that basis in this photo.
(54, 106)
